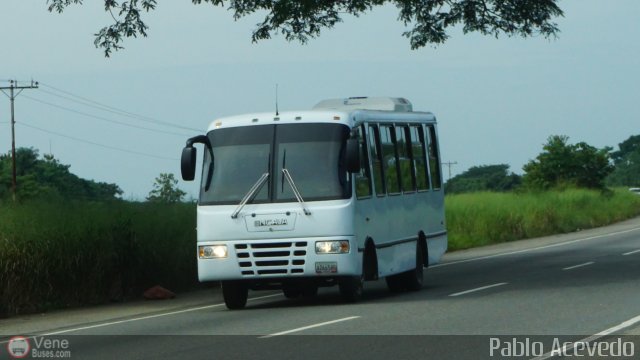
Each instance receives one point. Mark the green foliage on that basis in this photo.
(627, 164)
(58, 254)
(627, 171)
(485, 218)
(47, 178)
(483, 178)
(627, 147)
(428, 20)
(562, 164)
(165, 190)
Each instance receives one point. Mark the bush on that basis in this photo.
(568, 165)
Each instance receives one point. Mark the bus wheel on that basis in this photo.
(290, 291)
(414, 278)
(395, 283)
(235, 294)
(351, 288)
(309, 290)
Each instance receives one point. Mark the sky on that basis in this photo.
(496, 100)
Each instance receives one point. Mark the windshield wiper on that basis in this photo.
(286, 174)
(254, 189)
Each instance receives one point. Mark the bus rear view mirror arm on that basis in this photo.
(188, 159)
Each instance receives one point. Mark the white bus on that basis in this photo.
(346, 192)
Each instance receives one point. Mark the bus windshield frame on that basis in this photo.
(312, 153)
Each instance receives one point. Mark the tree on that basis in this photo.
(483, 178)
(627, 163)
(47, 178)
(627, 171)
(165, 190)
(632, 144)
(300, 20)
(562, 164)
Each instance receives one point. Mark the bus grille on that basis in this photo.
(281, 258)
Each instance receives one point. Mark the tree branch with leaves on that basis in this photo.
(300, 20)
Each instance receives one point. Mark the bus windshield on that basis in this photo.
(311, 153)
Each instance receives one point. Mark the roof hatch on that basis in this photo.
(366, 103)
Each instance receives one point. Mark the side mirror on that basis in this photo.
(188, 163)
(353, 155)
(188, 159)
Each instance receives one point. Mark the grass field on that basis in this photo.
(61, 254)
(478, 219)
(56, 255)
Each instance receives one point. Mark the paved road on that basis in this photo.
(566, 287)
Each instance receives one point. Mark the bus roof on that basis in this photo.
(347, 111)
(287, 117)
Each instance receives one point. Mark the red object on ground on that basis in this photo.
(158, 293)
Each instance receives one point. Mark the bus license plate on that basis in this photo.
(326, 267)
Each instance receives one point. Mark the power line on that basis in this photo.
(103, 119)
(96, 144)
(88, 102)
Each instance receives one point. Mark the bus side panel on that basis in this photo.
(437, 239)
(397, 258)
(394, 222)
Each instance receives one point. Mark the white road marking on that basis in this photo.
(478, 289)
(631, 252)
(593, 338)
(578, 266)
(142, 318)
(309, 327)
(533, 249)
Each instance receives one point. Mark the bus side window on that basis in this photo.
(389, 159)
(418, 157)
(363, 178)
(404, 158)
(376, 160)
(434, 163)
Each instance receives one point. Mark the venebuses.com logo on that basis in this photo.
(18, 347)
(38, 347)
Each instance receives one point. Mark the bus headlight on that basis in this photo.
(332, 247)
(212, 251)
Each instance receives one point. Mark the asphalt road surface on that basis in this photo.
(521, 298)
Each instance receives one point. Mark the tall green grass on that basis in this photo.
(69, 253)
(478, 219)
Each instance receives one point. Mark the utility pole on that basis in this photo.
(449, 164)
(13, 86)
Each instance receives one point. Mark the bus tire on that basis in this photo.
(235, 294)
(351, 288)
(309, 290)
(290, 291)
(395, 283)
(414, 279)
